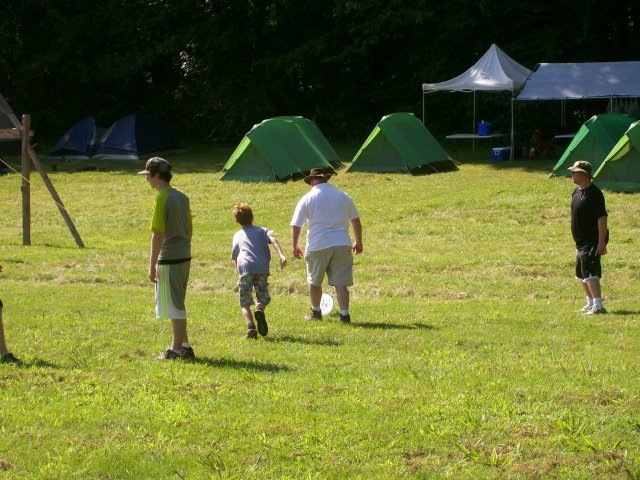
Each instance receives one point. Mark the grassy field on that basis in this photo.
(465, 358)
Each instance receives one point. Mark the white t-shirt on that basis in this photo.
(327, 213)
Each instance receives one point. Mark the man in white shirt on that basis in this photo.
(327, 213)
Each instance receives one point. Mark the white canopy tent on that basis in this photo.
(574, 81)
(565, 81)
(494, 71)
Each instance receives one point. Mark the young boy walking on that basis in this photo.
(251, 255)
(170, 256)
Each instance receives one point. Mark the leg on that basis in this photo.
(315, 293)
(3, 344)
(587, 290)
(179, 334)
(248, 317)
(245, 297)
(343, 297)
(340, 274)
(5, 355)
(261, 286)
(592, 286)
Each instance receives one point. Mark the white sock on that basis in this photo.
(589, 301)
(597, 302)
(186, 345)
(344, 312)
(316, 309)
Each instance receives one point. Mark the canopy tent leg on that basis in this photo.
(473, 126)
(512, 135)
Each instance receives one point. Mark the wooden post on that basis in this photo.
(26, 183)
(6, 109)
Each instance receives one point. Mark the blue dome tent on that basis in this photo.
(80, 141)
(134, 136)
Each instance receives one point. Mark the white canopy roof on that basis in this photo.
(494, 71)
(563, 81)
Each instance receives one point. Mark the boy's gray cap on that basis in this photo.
(581, 166)
(155, 165)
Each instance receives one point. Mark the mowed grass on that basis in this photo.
(465, 358)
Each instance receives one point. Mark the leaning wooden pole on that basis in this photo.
(26, 183)
(54, 195)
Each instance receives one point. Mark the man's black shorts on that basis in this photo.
(588, 263)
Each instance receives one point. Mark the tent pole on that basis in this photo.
(512, 137)
(473, 126)
(423, 106)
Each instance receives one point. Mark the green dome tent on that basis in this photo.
(593, 142)
(313, 134)
(400, 143)
(620, 171)
(274, 150)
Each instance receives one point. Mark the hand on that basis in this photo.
(602, 248)
(297, 252)
(357, 248)
(283, 262)
(153, 274)
(1, 269)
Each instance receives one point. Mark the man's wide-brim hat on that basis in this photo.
(581, 166)
(316, 173)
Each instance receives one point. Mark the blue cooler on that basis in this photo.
(484, 129)
(501, 154)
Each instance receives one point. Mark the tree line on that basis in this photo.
(213, 68)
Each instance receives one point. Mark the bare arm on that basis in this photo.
(295, 241)
(602, 235)
(276, 245)
(357, 232)
(156, 242)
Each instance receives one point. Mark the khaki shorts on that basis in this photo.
(336, 262)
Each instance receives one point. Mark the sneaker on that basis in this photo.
(315, 315)
(188, 353)
(585, 309)
(252, 334)
(10, 358)
(345, 318)
(596, 311)
(169, 354)
(263, 328)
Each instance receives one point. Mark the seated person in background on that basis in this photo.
(539, 145)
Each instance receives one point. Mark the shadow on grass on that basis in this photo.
(40, 363)
(304, 341)
(241, 364)
(394, 326)
(624, 312)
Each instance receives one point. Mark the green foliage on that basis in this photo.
(465, 358)
(215, 68)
